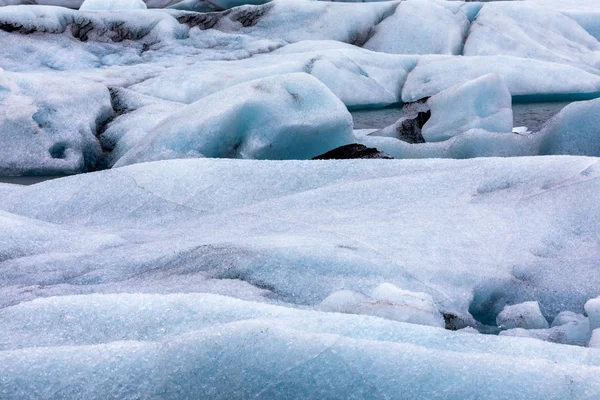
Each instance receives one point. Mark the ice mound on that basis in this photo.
(592, 308)
(574, 130)
(105, 5)
(389, 302)
(144, 345)
(530, 79)
(360, 78)
(484, 103)
(531, 31)
(525, 315)
(420, 27)
(290, 116)
(48, 124)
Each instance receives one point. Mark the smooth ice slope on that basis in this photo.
(525, 315)
(484, 103)
(290, 116)
(107, 5)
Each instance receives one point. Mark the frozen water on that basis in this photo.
(104, 5)
(484, 103)
(291, 116)
(525, 315)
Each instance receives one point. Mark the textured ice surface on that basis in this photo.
(292, 233)
(105, 5)
(296, 229)
(291, 116)
(98, 351)
(484, 103)
(523, 30)
(420, 27)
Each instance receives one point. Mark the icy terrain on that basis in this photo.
(191, 228)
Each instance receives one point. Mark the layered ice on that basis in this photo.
(291, 116)
(484, 103)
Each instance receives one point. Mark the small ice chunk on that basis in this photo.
(524, 315)
(592, 308)
(567, 317)
(387, 302)
(521, 130)
(105, 5)
(469, 329)
(483, 103)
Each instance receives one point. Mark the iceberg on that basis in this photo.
(291, 116)
(484, 103)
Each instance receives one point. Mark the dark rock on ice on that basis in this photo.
(352, 151)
